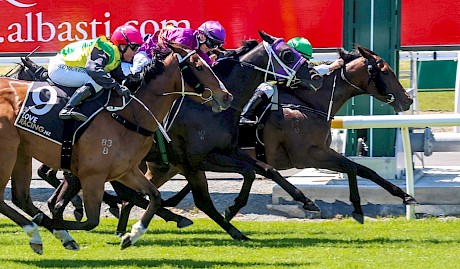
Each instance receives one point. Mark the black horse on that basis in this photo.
(298, 134)
(206, 141)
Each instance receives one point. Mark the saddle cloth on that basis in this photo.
(39, 113)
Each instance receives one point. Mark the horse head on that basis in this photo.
(199, 75)
(286, 64)
(375, 77)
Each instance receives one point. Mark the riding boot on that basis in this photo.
(70, 110)
(253, 108)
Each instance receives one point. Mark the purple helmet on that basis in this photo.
(213, 30)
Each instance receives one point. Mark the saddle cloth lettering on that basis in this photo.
(39, 113)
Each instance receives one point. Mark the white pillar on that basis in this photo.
(410, 209)
(457, 92)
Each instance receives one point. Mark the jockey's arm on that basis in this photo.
(95, 68)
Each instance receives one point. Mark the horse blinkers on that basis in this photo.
(374, 71)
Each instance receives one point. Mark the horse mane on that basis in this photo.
(152, 70)
(349, 56)
(232, 57)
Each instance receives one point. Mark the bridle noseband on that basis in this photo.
(374, 76)
(285, 71)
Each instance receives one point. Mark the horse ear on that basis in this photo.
(342, 53)
(363, 51)
(266, 37)
(23, 60)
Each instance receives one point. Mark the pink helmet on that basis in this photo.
(213, 30)
(125, 35)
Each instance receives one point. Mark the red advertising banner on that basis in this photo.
(430, 22)
(51, 24)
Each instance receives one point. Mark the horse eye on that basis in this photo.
(199, 68)
(287, 56)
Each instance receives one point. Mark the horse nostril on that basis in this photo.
(228, 98)
(409, 101)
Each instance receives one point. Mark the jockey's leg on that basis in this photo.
(255, 105)
(70, 110)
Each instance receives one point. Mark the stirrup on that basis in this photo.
(65, 114)
(244, 120)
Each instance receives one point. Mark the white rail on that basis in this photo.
(403, 122)
(14, 60)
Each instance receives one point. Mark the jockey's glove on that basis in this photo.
(122, 90)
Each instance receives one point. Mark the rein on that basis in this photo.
(291, 72)
(183, 92)
(140, 130)
(372, 75)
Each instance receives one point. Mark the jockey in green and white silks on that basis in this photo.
(264, 92)
(87, 64)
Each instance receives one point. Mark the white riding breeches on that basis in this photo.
(267, 88)
(69, 76)
(139, 61)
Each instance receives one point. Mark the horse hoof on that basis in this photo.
(311, 207)
(120, 233)
(37, 248)
(237, 235)
(37, 219)
(71, 245)
(245, 238)
(409, 200)
(78, 214)
(358, 217)
(115, 211)
(184, 222)
(125, 242)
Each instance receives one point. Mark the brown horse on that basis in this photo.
(106, 151)
(299, 134)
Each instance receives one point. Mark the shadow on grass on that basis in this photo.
(198, 241)
(148, 263)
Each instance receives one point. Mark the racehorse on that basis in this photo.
(299, 133)
(107, 150)
(205, 141)
(30, 71)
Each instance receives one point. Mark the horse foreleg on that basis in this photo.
(198, 182)
(331, 160)
(68, 188)
(136, 180)
(233, 163)
(49, 175)
(394, 190)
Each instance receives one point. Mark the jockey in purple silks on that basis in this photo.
(210, 35)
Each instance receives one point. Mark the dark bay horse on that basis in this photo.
(106, 151)
(298, 135)
(205, 141)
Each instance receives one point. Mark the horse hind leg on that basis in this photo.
(29, 227)
(21, 197)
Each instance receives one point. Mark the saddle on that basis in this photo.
(39, 114)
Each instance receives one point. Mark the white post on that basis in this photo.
(457, 92)
(410, 209)
(413, 62)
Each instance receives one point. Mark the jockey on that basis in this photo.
(87, 64)
(264, 92)
(210, 35)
